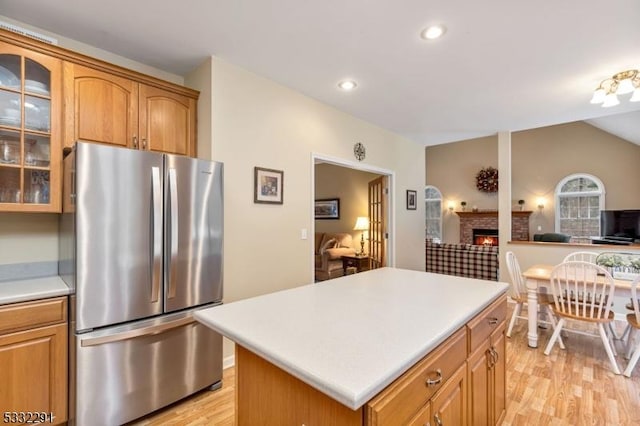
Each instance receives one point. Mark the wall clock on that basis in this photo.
(359, 151)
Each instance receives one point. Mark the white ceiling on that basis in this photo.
(502, 65)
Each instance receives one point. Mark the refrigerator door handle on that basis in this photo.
(173, 233)
(132, 334)
(156, 273)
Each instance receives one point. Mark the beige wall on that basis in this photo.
(256, 122)
(26, 238)
(543, 157)
(452, 168)
(201, 77)
(351, 187)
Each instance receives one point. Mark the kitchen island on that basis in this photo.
(371, 348)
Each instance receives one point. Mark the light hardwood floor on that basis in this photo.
(569, 387)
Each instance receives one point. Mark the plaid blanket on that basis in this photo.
(462, 260)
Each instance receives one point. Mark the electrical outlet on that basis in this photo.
(539, 228)
(303, 234)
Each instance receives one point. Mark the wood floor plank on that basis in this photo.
(569, 387)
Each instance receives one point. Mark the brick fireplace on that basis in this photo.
(489, 220)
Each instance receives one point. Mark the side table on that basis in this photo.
(361, 263)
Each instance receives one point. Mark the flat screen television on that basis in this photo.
(623, 225)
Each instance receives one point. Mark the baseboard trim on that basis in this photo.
(229, 361)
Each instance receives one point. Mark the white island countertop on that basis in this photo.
(350, 337)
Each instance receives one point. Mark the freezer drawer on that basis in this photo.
(126, 372)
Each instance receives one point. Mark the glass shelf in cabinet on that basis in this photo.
(37, 78)
(37, 113)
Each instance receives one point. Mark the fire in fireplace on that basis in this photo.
(485, 237)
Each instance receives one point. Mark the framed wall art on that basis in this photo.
(327, 208)
(268, 186)
(411, 199)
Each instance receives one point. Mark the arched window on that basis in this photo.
(433, 212)
(579, 199)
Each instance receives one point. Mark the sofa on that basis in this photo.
(462, 260)
(329, 249)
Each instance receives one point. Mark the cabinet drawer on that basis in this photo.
(485, 323)
(396, 404)
(20, 316)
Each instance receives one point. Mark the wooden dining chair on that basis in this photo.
(582, 256)
(583, 292)
(633, 320)
(518, 292)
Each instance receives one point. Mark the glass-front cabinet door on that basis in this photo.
(30, 111)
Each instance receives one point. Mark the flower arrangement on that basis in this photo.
(623, 266)
(521, 204)
(464, 205)
(487, 179)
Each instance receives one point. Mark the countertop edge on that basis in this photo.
(28, 290)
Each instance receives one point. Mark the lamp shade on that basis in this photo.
(610, 100)
(598, 96)
(362, 224)
(625, 86)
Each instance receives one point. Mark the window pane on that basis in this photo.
(431, 193)
(581, 184)
(433, 209)
(579, 216)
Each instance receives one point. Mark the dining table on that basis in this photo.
(539, 276)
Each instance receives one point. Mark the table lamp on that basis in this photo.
(362, 224)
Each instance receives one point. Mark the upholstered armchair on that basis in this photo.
(329, 249)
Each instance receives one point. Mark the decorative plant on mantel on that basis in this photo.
(464, 205)
(521, 204)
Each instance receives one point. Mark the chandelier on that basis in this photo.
(620, 84)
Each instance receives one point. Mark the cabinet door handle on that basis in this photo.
(493, 321)
(144, 143)
(437, 419)
(437, 380)
(489, 355)
(495, 354)
(135, 142)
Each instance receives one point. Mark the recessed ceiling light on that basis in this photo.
(433, 32)
(347, 85)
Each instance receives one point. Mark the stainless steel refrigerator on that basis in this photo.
(141, 247)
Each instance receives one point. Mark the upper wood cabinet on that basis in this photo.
(167, 121)
(106, 108)
(30, 130)
(51, 97)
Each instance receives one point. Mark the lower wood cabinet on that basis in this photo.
(448, 406)
(33, 362)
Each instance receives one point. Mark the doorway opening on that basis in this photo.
(361, 192)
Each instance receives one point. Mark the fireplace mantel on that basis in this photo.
(488, 219)
(494, 213)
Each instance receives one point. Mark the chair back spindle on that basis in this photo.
(634, 298)
(582, 290)
(518, 288)
(582, 256)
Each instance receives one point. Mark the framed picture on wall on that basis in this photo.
(411, 199)
(268, 186)
(328, 208)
